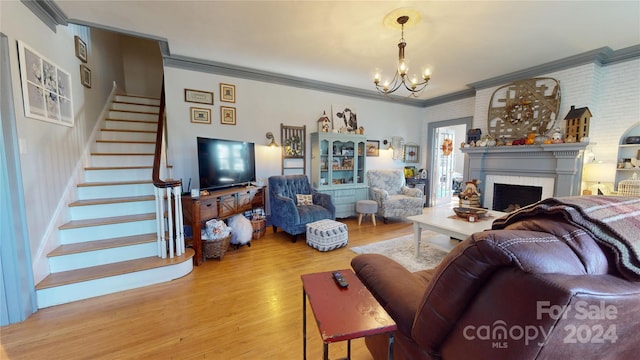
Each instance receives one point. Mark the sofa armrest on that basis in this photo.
(399, 291)
(379, 194)
(286, 208)
(413, 192)
(325, 201)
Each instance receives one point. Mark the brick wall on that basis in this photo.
(611, 92)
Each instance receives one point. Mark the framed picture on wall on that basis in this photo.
(227, 93)
(81, 49)
(373, 148)
(200, 115)
(198, 96)
(227, 115)
(46, 88)
(85, 76)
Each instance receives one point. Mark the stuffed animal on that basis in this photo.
(241, 230)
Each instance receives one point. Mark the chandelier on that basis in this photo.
(413, 85)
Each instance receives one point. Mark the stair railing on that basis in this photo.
(170, 233)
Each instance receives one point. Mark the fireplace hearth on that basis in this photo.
(557, 168)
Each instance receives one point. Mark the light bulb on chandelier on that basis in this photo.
(414, 85)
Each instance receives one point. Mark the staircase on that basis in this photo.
(110, 244)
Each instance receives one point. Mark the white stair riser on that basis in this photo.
(130, 125)
(102, 232)
(125, 115)
(127, 135)
(137, 100)
(79, 291)
(110, 191)
(109, 175)
(116, 148)
(102, 257)
(121, 160)
(135, 107)
(110, 210)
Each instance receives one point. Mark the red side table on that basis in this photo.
(342, 314)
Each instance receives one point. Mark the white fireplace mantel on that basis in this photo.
(562, 162)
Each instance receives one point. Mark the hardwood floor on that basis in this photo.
(246, 306)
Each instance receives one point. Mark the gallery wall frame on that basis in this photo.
(198, 96)
(85, 76)
(373, 147)
(200, 115)
(81, 49)
(46, 88)
(227, 115)
(227, 93)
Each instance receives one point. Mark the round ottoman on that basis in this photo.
(364, 207)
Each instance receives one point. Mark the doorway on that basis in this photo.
(446, 163)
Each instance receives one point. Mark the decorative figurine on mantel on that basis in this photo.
(577, 124)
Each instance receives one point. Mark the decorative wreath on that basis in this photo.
(447, 147)
(517, 111)
(294, 146)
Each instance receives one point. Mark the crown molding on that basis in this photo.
(214, 67)
(602, 56)
(47, 11)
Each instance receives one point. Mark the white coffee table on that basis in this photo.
(437, 219)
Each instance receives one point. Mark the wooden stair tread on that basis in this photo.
(121, 154)
(103, 271)
(102, 244)
(133, 103)
(130, 130)
(139, 96)
(126, 141)
(134, 111)
(114, 200)
(109, 183)
(117, 167)
(74, 224)
(149, 121)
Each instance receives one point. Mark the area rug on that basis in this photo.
(402, 249)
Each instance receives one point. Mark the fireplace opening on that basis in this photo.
(507, 197)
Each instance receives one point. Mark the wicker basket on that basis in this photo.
(259, 228)
(215, 248)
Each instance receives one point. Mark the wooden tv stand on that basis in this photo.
(219, 204)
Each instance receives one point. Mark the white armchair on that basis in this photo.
(388, 188)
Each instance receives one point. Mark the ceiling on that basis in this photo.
(344, 42)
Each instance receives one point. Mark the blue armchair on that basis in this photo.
(287, 214)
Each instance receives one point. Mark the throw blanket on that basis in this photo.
(613, 221)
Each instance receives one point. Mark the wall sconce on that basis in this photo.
(273, 142)
(396, 144)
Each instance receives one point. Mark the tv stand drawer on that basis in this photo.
(228, 205)
(208, 209)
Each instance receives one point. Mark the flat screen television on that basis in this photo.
(225, 163)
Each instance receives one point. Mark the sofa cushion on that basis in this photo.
(304, 199)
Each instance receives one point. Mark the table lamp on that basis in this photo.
(600, 173)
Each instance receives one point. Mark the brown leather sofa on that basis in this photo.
(543, 284)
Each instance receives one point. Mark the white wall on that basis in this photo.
(142, 66)
(262, 107)
(51, 153)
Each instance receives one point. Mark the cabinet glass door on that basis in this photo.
(325, 159)
(360, 161)
(343, 162)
